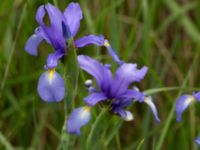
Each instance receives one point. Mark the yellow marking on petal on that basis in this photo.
(106, 43)
(51, 74)
(190, 99)
(87, 108)
(85, 112)
(148, 100)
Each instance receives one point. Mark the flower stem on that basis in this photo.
(71, 74)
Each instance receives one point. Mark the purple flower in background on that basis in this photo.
(184, 102)
(111, 89)
(197, 140)
(62, 27)
(79, 117)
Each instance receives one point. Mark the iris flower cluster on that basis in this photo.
(63, 27)
(113, 91)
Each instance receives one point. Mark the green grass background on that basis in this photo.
(162, 34)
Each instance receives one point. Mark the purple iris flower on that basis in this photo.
(62, 27)
(112, 90)
(184, 102)
(197, 140)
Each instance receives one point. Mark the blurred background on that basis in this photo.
(164, 35)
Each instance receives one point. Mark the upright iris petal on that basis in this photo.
(101, 73)
(66, 32)
(73, 15)
(182, 103)
(78, 118)
(125, 75)
(51, 86)
(52, 32)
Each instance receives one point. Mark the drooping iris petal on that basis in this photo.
(52, 60)
(197, 140)
(94, 98)
(78, 118)
(40, 32)
(73, 15)
(51, 86)
(126, 115)
(149, 102)
(182, 103)
(88, 40)
(32, 44)
(196, 95)
(125, 75)
(112, 52)
(101, 73)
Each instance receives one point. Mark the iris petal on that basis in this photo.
(197, 140)
(101, 73)
(125, 75)
(129, 116)
(196, 95)
(94, 98)
(32, 44)
(125, 115)
(40, 32)
(182, 103)
(55, 16)
(52, 60)
(73, 15)
(54, 32)
(78, 118)
(40, 15)
(112, 52)
(149, 102)
(51, 86)
(88, 40)
(133, 94)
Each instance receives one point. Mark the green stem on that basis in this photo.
(164, 89)
(94, 128)
(71, 74)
